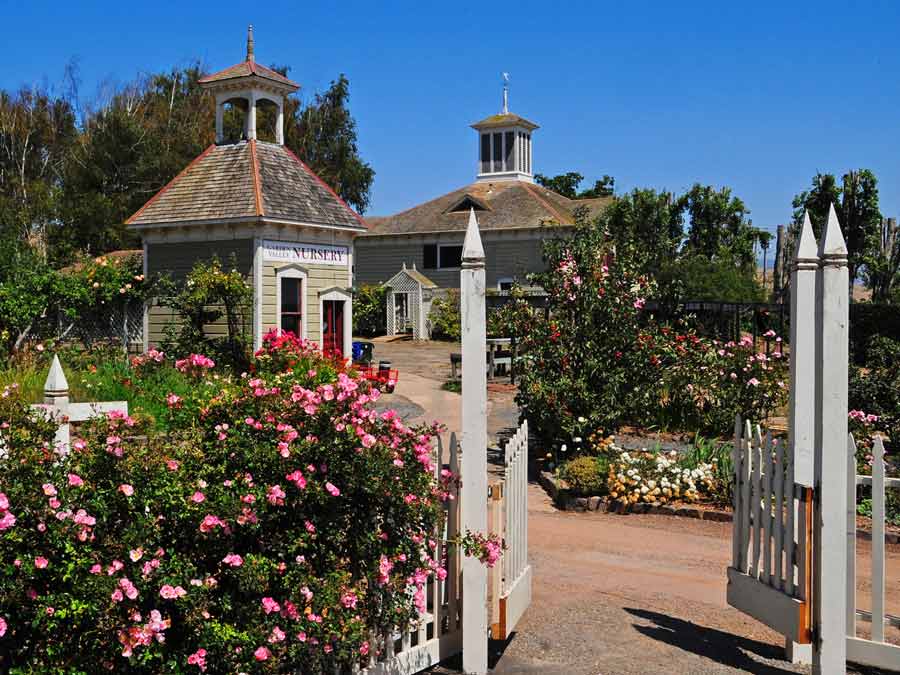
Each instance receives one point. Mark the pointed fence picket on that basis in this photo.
(437, 634)
(876, 651)
(766, 579)
(510, 583)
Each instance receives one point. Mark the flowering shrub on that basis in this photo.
(209, 295)
(278, 522)
(657, 478)
(601, 357)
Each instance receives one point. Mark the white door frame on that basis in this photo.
(338, 294)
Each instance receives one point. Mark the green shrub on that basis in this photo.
(208, 295)
(699, 278)
(445, 317)
(600, 361)
(274, 528)
(875, 388)
(585, 476)
(369, 310)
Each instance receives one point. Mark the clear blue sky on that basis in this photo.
(756, 96)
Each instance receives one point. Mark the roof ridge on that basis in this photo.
(257, 182)
(165, 187)
(530, 189)
(327, 187)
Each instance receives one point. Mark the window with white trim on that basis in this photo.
(291, 301)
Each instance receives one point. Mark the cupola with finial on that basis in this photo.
(504, 144)
(247, 83)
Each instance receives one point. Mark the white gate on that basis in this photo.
(438, 633)
(769, 575)
(876, 651)
(509, 584)
(815, 480)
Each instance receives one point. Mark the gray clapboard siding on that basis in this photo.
(506, 255)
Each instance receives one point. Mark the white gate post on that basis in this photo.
(802, 402)
(474, 448)
(830, 555)
(56, 398)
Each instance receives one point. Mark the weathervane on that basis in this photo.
(505, 93)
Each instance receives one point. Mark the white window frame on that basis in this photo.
(292, 272)
(504, 280)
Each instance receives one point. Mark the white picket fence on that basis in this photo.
(875, 651)
(770, 574)
(438, 633)
(509, 584)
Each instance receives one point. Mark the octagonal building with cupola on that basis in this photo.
(256, 206)
(515, 216)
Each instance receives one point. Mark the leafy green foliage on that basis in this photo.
(856, 202)
(585, 475)
(566, 184)
(875, 388)
(369, 310)
(696, 277)
(718, 228)
(599, 361)
(445, 317)
(208, 295)
(646, 226)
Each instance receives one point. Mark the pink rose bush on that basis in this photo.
(599, 359)
(278, 522)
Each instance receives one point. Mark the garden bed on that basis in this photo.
(565, 501)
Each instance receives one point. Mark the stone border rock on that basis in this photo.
(566, 502)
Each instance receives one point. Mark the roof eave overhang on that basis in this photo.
(462, 230)
(243, 220)
(241, 82)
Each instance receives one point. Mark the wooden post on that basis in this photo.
(829, 544)
(804, 269)
(474, 448)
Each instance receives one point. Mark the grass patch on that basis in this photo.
(452, 385)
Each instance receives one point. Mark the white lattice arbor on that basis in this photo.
(409, 299)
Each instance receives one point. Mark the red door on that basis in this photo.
(333, 327)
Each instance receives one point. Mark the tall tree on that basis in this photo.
(36, 132)
(718, 227)
(647, 223)
(566, 184)
(856, 202)
(882, 265)
(323, 134)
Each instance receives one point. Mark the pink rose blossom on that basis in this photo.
(233, 559)
(261, 654)
(332, 490)
(75, 480)
(40, 562)
(126, 489)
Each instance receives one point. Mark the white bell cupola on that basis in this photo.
(246, 84)
(504, 144)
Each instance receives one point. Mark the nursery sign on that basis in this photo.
(295, 252)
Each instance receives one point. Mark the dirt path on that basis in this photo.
(616, 594)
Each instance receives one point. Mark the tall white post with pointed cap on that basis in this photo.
(829, 540)
(474, 447)
(802, 418)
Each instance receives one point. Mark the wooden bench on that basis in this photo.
(493, 362)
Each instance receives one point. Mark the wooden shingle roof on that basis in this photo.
(250, 179)
(509, 205)
(246, 69)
